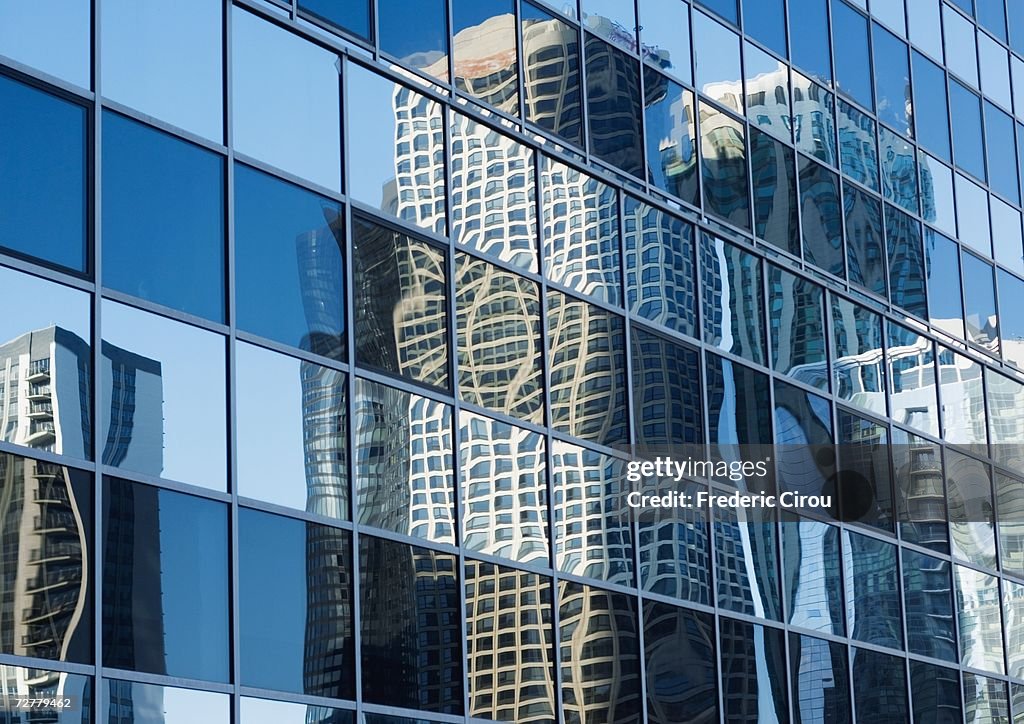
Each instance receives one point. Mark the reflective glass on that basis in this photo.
(494, 193)
(665, 36)
(1006, 236)
(907, 281)
(1013, 604)
(930, 112)
(422, 44)
(821, 216)
(968, 146)
(164, 59)
(600, 654)
(747, 563)
(593, 532)
(963, 400)
(737, 415)
(936, 693)
(1017, 83)
(971, 516)
(766, 88)
(1011, 326)
(813, 581)
(165, 585)
(853, 62)
(928, 599)
(554, 99)
(661, 277)
(981, 631)
(151, 704)
(164, 398)
(857, 148)
(666, 391)
(995, 70)
(724, 8)
(586, 370)
(892, 78)
(820, 681)
(992, 15)
(510, 664)
(1002, 156)
(679, 652)
(148, 174)
(504, 502)
(716, 51)
(396, 154)
(804, 455)
(865, 250)
(581, 232)
(1006, 419)
(45, 365)
(911, 359)
(675, 548)
(858, 367)
(351, 15)
(47, 529)
(499, 339)
(972, 215)
(891, 14)
(266, 711)
(54, 36)
(961, 50)
(753, 671)
(291, 432)
(733, 302)
(814, 119)
(43, 187)
(291, 125)
(614, 120)
(410, 626)
(289, 240)
(879, 687)
(925, 26)
(937, 206)
(984, 699)
(808, 33)
(899, 172)
(774, 180)
(980, 303)
(403, 462)
(872, 591)
(21, 684)
(797, 320)
(612, 21)
(400, 302)
(671, 136)
(920, 493)
(865, 490)
(766, 21)
(300, 638)
(723, 155)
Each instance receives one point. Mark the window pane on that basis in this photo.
(35, 683)
(971, 517)
(808, 33)
(857, 147)
(961, 50)
(152, 704)
(724, 166)
(981, 631)
(775, 205)
(804, 453)
(1011, 325)
(899, 172)
(753, 671)
(892, 78)
(968, 147)
(972, 215)
(300, 639)
(766, 89)
(289, 240)
(872, 591)
(814, 119)
(937, 203)
(864, 245)
(665, 28)
(1006, 236)
(992, 15)
(796, 307)
(821, 216)
(813, 585)
(671, 138)
(551, 51)
(679, 651)
(163, 406)
(980, 303)
(405, 665)
(1006, 419)
(666, 391)
(920, 493)
(612, 21)
(737, 415)
(1013, 604)
(613, 104)
(422, 44)
(403, 462)
(159, 549)
(819, 680)
(164, 59)
(675, 548)
(747, 563)
(928, 595)
(352, 15)
(925, 26)
(733, 299)
(857, 365)
(54, 36)
(985, 698)
(963, 401)
(766, 22)
(931, 115)
(504, 505)
(587, 370)
(911, 360)
(716, 53)
(660, 272)
(265, 61)
(266, 711)
(907, 283)
(936, 693)
(865, 493)
(43, 186)
(1002, 156)
(995, 70)
(400, 303)
(853, 62)
(879, 687)
(291, 431)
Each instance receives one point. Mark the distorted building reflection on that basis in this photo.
(19, 683)
(679, 650)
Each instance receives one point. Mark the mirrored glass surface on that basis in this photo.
(872, 590)
(813, 584)
(852, 55)
(600, 654)
(675, 547)
(945, 306)
(929, 111)
(403, 462)
(665, 36)
(1013, 605)
(937, 205)
(928, 599)
(669, 117)
(593, 533)
(43, 186)
(995, 70)
(808, 33)
(936, 693)
(985, 699)
(164, 59)
(920, 492)
(666, 391)
(1006, 418)
(300, 638)
(54, 36)
(554, 98)
(1002, 158)
(267, 711)
(410, 626)
(911, 358)
(661, 277)
(814, 119)
(494, 193)
(610, 20)
(907, 281)
(679, 654)
(858, 367)
(152, 704)
(766, 21)
(733, 303)
(774, 181)
(972, 215)
(981, 631)
(422, 44)
(716, 52)
(289, 240)
(504, 503)
(747, 564)
(753, 671)
(396, 155)
(980, 303)
(74, 691)
(899, 172)
(891, 14)
(291, 125)
(1011, 326)
(1006, 236)
(892, 78)
(804, 456)
(865, 253)
(165, 588)
(724, 166)
(737, 415)
(291, 432)
(819, 680)
(586, 370)
(968, 146)
(865, 489)
(400, 303)
(796, 309)
(992, 16)
(766, 88)
(961, 50)
(822, 216)
(925, 26)
(879, 687)
(164, 398)
(971, 516)
(963, 400)
(353, 15)
(510, 667)
(857, 148)
(614, 117)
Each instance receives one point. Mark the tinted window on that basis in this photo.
(55, 37)
(872, 591)
(613, 104)
(353, 16)
(766, 91)
(892, 78)
(733, 301)
(808, 32)
(980, 303)
(977, 597)
(963, 400)
(931, 116)
(775, 206)
(671, 137)
(747, 564)
(1002, 156)
(864, 246)
(1011, 324)
(737, 414)
(724, 166)
(945, 307)
(961, 50)
(804, 454)
(266, 711)
(971, 517)
(972, 215)
(679, 651)
(675, 548)
(819, 679)
(912, 372)
(862, 448)
(879, 687)
(422, 44)
(797, 319)
(853, 63)
(925, 26)
(936, 693)
(813, 586)
(766, 21)
(814, 119)
(613, 21)
(822, 216)
(1006, 236)
(857, 148)
(899, 172)
(907, 287)
(995, 70)
(968, 147)
(553, 97)
(665, 27)
(152, 704)
(928, 597)
(36, 683)
(485, 30)
(716, 51)
(937, 204)
(666, 391)
(753, 671)
(857, 369)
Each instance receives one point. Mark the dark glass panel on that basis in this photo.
(733, 303)
(747, 562)
(138, 703)
(930, 112)
(551, 52)
(614, 115)
(587, 370)
(980, 303)
(879, 687)
(814, 119)
(421, 44)
(928, 598)
(723, 154)
(858, 365)
(872, 591)
(936, 693)
(804, 455)
(775, 204)
(911, 358)
(499, 339)
(679, 652)
(822, 216)
(410, 641)
(796, 310)
(267, 711)
(753, 671)
(666, 391)
(865, 488)
(853, 61)
(808, 32)
(857, 148)
(675, 548)
(400, 301)
(979, 614)
(300, 638)
(968, 146)
(165, 582)
(724, 8)
(737, 414)
(510, 666)
(820, 681)
(899, 171)
(865, 250)
(289, 240)
(1010, 507)
(892, 79)
(661, 276)
(600, 654)
(74, 692)
(43, 185)
(971, 509)
(907, 282)
(350, 15)
(945, 305)
(1002, 153)
(765, 21)
(671, 137)
(814, 594)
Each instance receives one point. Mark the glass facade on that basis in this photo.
(341, 433)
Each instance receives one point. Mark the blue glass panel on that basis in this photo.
(945, 307)
(814, 119)
(925, 21)
(611, 20)
(723, 165)
(968, 146)
(152, 704)
(163, 218)
(679, 649)
(872, 591)
(907, 287)
(892, 79)
(853, 60)
(775, 204)
(54, 36)
(992, 16)
(1002, 154)
(671, 137)
(733, 298)
(865, 250)
(796, 309)
(724, 8)
(753, 671)
(822, 216)
(422, 44)
(484, 50)
(268, 711)
(980, 303)
(765, 20)
(961, 45)
(747, 562)
(879, 687)
(899, 170)
(350, 15)
(813, 584)
(858, 150)
(554, 99)
(928, 596)
(613, 101)
(1015, 15)
(808, 32)
(937, 206)
(716, 52)
(42, 175)
(737, 414)
(931, 115)
(820, 681)
(666, 391)
(665, 36)
(1011, 322)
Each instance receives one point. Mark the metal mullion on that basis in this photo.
(287, 176)
(162, 680)
(170, 313)
(296, 698)
(9, 260)
(295, 513)
(247, 338)
(165, 483)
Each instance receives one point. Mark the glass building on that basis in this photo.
(328, 326)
